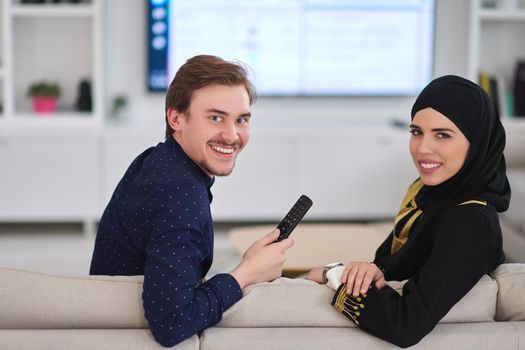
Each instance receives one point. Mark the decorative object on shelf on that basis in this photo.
(118, 106)
(519, 90)
(84, 100)
(44, 96)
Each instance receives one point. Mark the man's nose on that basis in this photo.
(230, 132)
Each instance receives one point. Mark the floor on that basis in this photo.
(64, 249)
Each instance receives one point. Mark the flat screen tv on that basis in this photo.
(299, 47)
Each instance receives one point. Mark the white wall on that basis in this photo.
(126, 73)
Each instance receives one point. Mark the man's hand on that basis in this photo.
(263, 261)
(359, 275)
(316, 275)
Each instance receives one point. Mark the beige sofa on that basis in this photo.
(513, 221)
(39, 311)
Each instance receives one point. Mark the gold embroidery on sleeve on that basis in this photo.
(349, 306)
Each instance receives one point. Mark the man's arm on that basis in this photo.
(176, 304)
(176, 307)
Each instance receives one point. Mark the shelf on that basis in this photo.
(55, 119)
(502, 15)
(53, 10)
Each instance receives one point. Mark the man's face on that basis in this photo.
(215, 128)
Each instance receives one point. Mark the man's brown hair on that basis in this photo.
(198, 72)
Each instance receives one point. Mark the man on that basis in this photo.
(158, 221)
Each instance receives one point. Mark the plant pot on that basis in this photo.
(44, 104)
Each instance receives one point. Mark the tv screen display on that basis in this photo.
(300, 47)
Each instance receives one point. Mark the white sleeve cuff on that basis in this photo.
(334, 277)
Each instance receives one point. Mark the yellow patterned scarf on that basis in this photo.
(408, 209)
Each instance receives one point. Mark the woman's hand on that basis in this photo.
(359, 275)
(316, 275)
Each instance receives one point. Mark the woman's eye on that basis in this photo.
(415, 132)
(442, 135)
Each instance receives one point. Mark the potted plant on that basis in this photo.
(44, 96)
(118, 106)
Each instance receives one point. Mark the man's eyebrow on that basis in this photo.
(218, 111)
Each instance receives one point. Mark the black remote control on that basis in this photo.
(293, 217)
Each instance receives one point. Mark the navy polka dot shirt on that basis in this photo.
(158, 223)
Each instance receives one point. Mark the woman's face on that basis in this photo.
(438, 148)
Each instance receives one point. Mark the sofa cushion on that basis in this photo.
(99, 339)
(515, 215)
(302, 303)
(510, 305)
(31, 300)
(478, 336)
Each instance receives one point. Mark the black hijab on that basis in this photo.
(481, 178)
(483, 175)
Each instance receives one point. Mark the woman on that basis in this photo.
(446, 234)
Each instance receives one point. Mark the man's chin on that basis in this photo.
(214, 171)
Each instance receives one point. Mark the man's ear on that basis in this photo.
(175, 119)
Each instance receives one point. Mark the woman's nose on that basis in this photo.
(425, 145)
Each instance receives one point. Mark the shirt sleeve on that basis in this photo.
(465, 247)
(177, 305)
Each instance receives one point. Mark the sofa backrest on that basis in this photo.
(30, 300)
(302, 303)
(515, 144)
(510, 305)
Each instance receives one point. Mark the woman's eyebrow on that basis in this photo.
(414, 126)
(443, 129)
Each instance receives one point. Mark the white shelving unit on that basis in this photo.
(50, 162)
(59, 43)
(496, 42)
(2, 51)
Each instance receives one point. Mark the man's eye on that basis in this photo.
(242, 120)
(216, 118)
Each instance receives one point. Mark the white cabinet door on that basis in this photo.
(260, 186)
(362, 175)
(48, 177)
